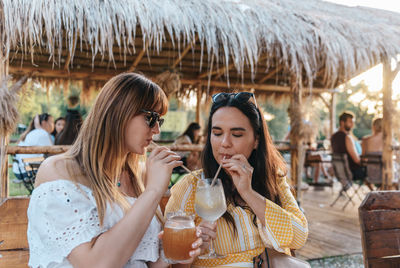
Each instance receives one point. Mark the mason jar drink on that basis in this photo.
(179, 235)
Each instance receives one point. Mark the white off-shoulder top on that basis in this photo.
(62, 215)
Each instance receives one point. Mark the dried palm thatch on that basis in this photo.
(169, 81)
(8, 105)
(313, 39)
(8, 116)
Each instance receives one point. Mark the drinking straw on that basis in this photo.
(183, 166)
(216, 175)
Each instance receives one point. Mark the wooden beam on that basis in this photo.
(395, 71)
(270, 74)
(60, 73)
(58, 149)
(222, 70)
(323, 100)
(55, 149)
(198, 105)
(184, 52)
(138, 59)
(218, 71)
(387, 154)
(261, 87)
(104, 76)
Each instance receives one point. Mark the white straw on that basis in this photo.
(216, 174)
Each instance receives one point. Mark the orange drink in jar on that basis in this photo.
(179, 235)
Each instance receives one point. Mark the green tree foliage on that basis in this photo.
(279, 125)
(366, 105)
(36, 100)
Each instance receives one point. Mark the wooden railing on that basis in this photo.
(58, 149)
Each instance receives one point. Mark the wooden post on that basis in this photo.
(332, 115)
(198, 105)
(3, 170)
(296, 125)
(206, 108)
(387, 154)
(3, 139)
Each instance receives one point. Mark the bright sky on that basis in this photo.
(373, 77)
(392, 5)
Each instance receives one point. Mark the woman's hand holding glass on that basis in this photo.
(241, 172)
(208, 233)
(159, 166)
(196, 247)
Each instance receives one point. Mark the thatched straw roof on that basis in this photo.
(252, 44)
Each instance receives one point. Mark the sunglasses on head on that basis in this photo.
(240, 96)
(152, 118)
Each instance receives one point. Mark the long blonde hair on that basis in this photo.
(100, 146)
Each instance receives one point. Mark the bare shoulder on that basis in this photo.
(365, 138)
(349, 139)
(52, 168)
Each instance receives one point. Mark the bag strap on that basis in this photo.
(267, 257)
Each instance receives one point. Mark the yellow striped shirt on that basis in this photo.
(285, 229)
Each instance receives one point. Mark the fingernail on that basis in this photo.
(194, 245)
(198, 233)
(191, 253)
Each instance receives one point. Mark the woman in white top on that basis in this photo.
(91, 206)
(37, 134)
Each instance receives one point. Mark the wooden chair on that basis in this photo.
(379, 216)
(374, 165)
(345, 177)
(315, 160)
(31, 166)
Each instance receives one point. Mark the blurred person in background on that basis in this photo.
(373, 143)
(37, 134)
(58, 127)
(190, 136)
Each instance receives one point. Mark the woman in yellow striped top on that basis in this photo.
(261, 210)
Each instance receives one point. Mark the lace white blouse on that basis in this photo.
(63, 215)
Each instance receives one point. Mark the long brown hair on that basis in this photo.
(100, 146)
(267, 162)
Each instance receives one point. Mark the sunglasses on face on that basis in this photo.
(242, 97)
(152, 118)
